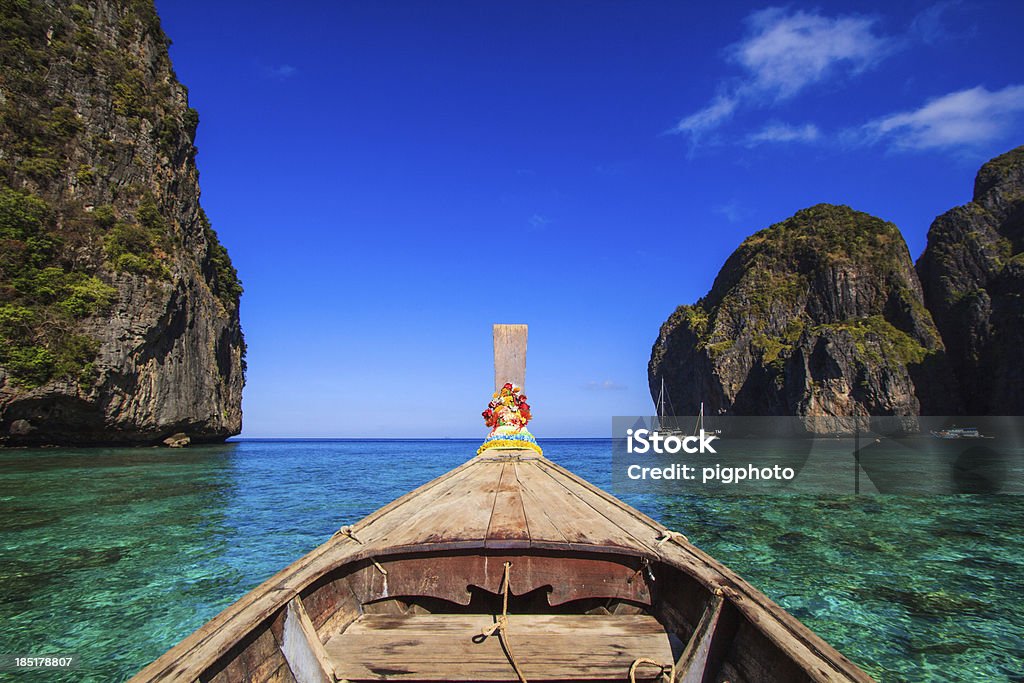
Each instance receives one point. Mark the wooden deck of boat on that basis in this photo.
(510, 500)
(445, 647)
(515, 505)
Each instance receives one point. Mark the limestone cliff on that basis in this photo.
(818, 315)
(118, 305)
(972, 272)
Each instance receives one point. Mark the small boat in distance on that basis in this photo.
(701, 427)
(507, 568)
(959, 433)
(667, 422)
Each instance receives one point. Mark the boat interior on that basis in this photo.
(482, 615)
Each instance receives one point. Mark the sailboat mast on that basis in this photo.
(660, 408)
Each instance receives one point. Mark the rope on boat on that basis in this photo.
(501, 625)
(347, 531)
(663, 668)
(667, 535)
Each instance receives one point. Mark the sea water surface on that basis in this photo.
(115, 555)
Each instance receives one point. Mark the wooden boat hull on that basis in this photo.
(589, 585)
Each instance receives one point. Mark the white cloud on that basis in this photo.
(709, 117)
(784, 132)
(784, 52)
(958, 119)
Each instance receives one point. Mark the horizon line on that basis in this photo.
(234, 439)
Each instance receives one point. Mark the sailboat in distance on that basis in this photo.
(701, 426)
(666, 422)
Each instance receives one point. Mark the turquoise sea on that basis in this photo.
(115, 555)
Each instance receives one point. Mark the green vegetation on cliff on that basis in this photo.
(41, 299)
(225, 282)
(774, 271)
(75, 102)
(824, 235)
(803, 311)
(879, 342)
(137, 246)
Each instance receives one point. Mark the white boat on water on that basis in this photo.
(701, 427)
(666, 415)
(959, 433)
(667, 420)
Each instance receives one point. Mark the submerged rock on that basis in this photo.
(118, 305)
(972, 273)
(819, 315)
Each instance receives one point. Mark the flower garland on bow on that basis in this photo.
(508, 407)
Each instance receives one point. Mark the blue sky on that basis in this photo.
(391, 178)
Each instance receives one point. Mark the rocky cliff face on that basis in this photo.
(972, 272)
(819, 315)
(118, 305)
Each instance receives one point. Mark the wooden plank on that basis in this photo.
(349, 610)
(256, 659)
(509, 355)
(756, 658)
(390, 529)
(635, 529)
(448, 577)
(375, 527)
(282, 675)
(577, 522)
(330, 605)
(461, 513)
(439, 647)
(692, 663)
(302, 648)
(508, 518)
(542, 530)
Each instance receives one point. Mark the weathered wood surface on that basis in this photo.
(302, 648)
(508, 524)
(438, 647)
(256, 657)
(509, 355)
(449, 577)
(515, 500)
(331, 605)
(694, 659)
